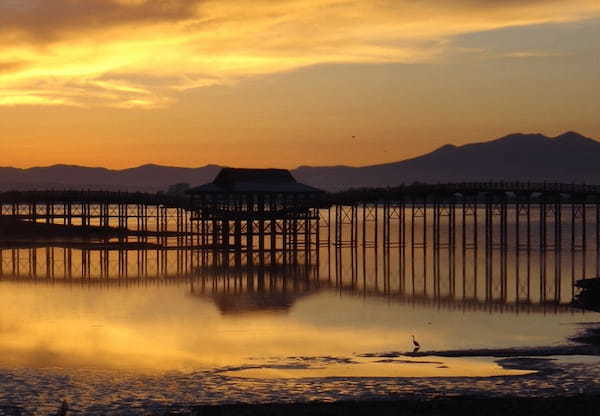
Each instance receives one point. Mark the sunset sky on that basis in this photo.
(120, 83)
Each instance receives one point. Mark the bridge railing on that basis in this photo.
(448, 190)
(105, 197)
(364, 194)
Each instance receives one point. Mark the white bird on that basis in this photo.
(416, 344)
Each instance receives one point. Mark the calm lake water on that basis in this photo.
(165, 329)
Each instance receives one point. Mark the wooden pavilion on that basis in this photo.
(257, 210)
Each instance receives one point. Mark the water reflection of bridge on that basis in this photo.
(237, 284)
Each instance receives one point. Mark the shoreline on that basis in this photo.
(579, 405)
(553, 389)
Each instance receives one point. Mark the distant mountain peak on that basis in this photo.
(569, 137)
(66, 166)
(63, 165)
(570, 134)
(148, 166)
(572, 137)
(445, 148)
(522, 136)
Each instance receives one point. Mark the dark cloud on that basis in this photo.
(11, 66)
(49, 19)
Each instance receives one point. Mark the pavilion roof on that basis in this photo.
(234, 180)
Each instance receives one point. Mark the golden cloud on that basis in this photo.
(139, 53)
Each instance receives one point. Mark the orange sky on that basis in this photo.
(119, 83)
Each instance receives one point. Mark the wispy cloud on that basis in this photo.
(533, 54)
(47, 21)
(140, 53)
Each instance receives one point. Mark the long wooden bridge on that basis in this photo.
(543, 215)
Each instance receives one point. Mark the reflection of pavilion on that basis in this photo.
(255, 288)
(263, 301)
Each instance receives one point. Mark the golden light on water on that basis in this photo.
(453, 367)
(158, 329)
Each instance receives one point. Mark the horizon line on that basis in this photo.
(75, 165)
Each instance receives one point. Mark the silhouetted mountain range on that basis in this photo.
(142, 178)
(569, 157)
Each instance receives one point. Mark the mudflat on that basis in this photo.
(462, 405)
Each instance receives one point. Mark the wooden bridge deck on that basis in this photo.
(461, 189)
